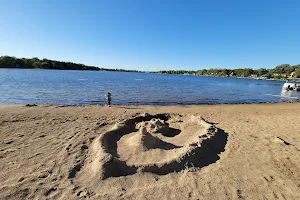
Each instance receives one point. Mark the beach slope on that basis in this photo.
(249, 151)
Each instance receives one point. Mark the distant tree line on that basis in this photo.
(13, 62)
(279, 72)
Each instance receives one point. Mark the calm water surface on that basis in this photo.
(89, 87)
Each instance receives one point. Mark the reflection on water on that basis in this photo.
(288, 93)
(269, 84)
(89, 87)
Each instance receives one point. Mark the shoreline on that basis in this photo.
(255, 78)
(153, 72)
(148, 105)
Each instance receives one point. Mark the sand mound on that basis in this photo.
(159, 144)
(154, 126)
(143, 140)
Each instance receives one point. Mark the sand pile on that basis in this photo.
(155, 125)
(149, 143)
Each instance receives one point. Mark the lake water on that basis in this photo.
(89, 87)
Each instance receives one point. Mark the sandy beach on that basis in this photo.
(249, 151)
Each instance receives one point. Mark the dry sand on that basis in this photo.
(174, 152)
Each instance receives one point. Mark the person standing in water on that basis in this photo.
(108, 99)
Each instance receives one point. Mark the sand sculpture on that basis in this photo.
(158, 144)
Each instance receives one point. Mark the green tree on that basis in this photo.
(7, 61)
(262, 71)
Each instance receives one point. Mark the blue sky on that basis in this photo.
(154, 35)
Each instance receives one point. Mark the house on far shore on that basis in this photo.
(280, 75)
(292, 75)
